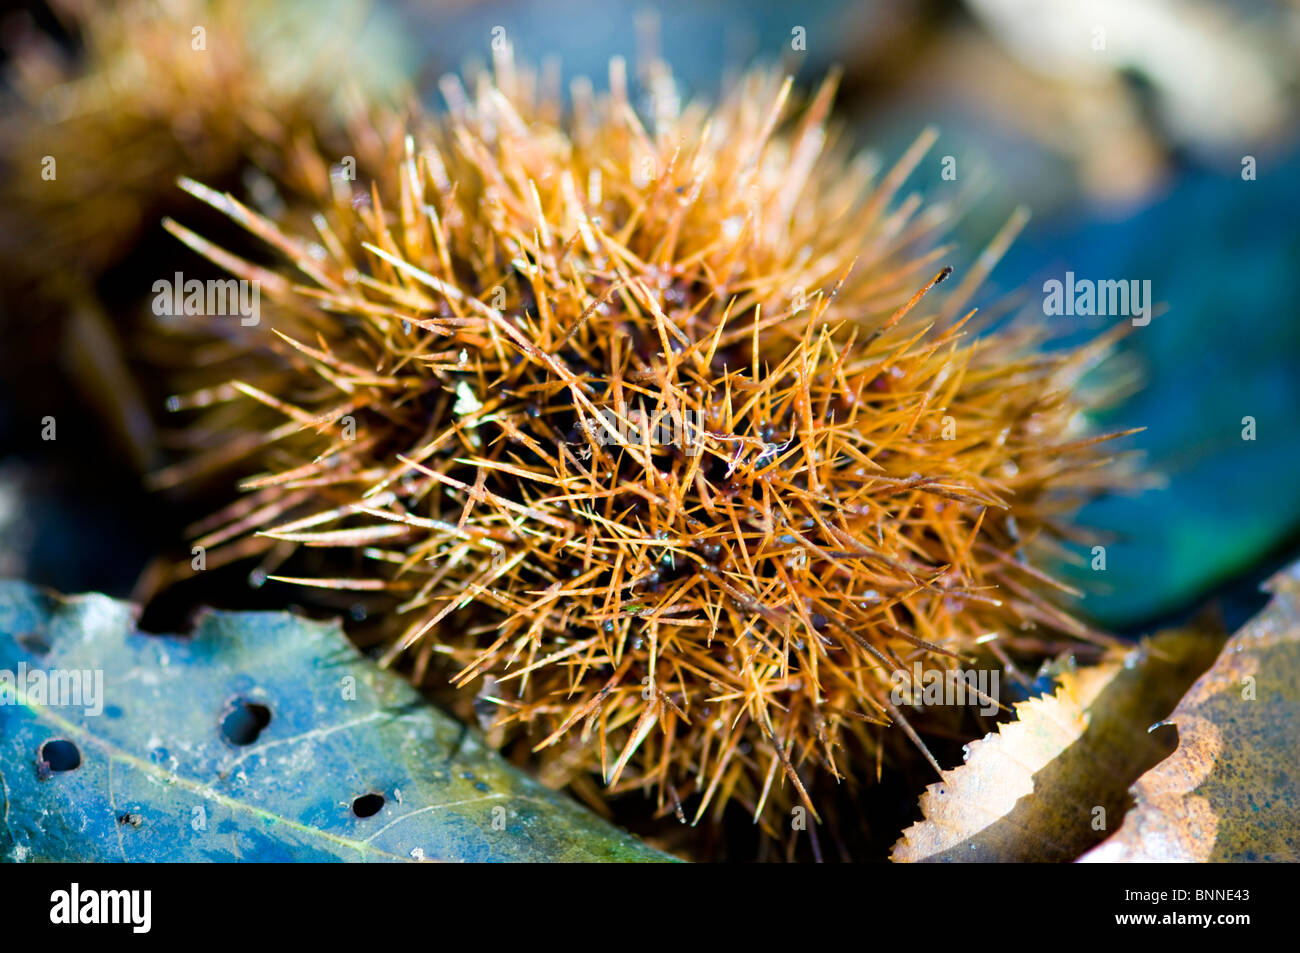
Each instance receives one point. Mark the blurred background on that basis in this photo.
(1148, 139)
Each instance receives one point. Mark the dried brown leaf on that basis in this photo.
(1044, 787)
(1229, 792)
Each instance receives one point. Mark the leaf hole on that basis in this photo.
(368, 805)
(243, 721)
(61, 755)
(34, 642)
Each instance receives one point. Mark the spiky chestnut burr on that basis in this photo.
(460, 389)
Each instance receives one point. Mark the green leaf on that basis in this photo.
(159, 778)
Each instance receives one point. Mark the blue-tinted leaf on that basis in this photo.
(159, 777)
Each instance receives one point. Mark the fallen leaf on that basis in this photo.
(261, 737)
(1045, 786)
(1229, 791)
